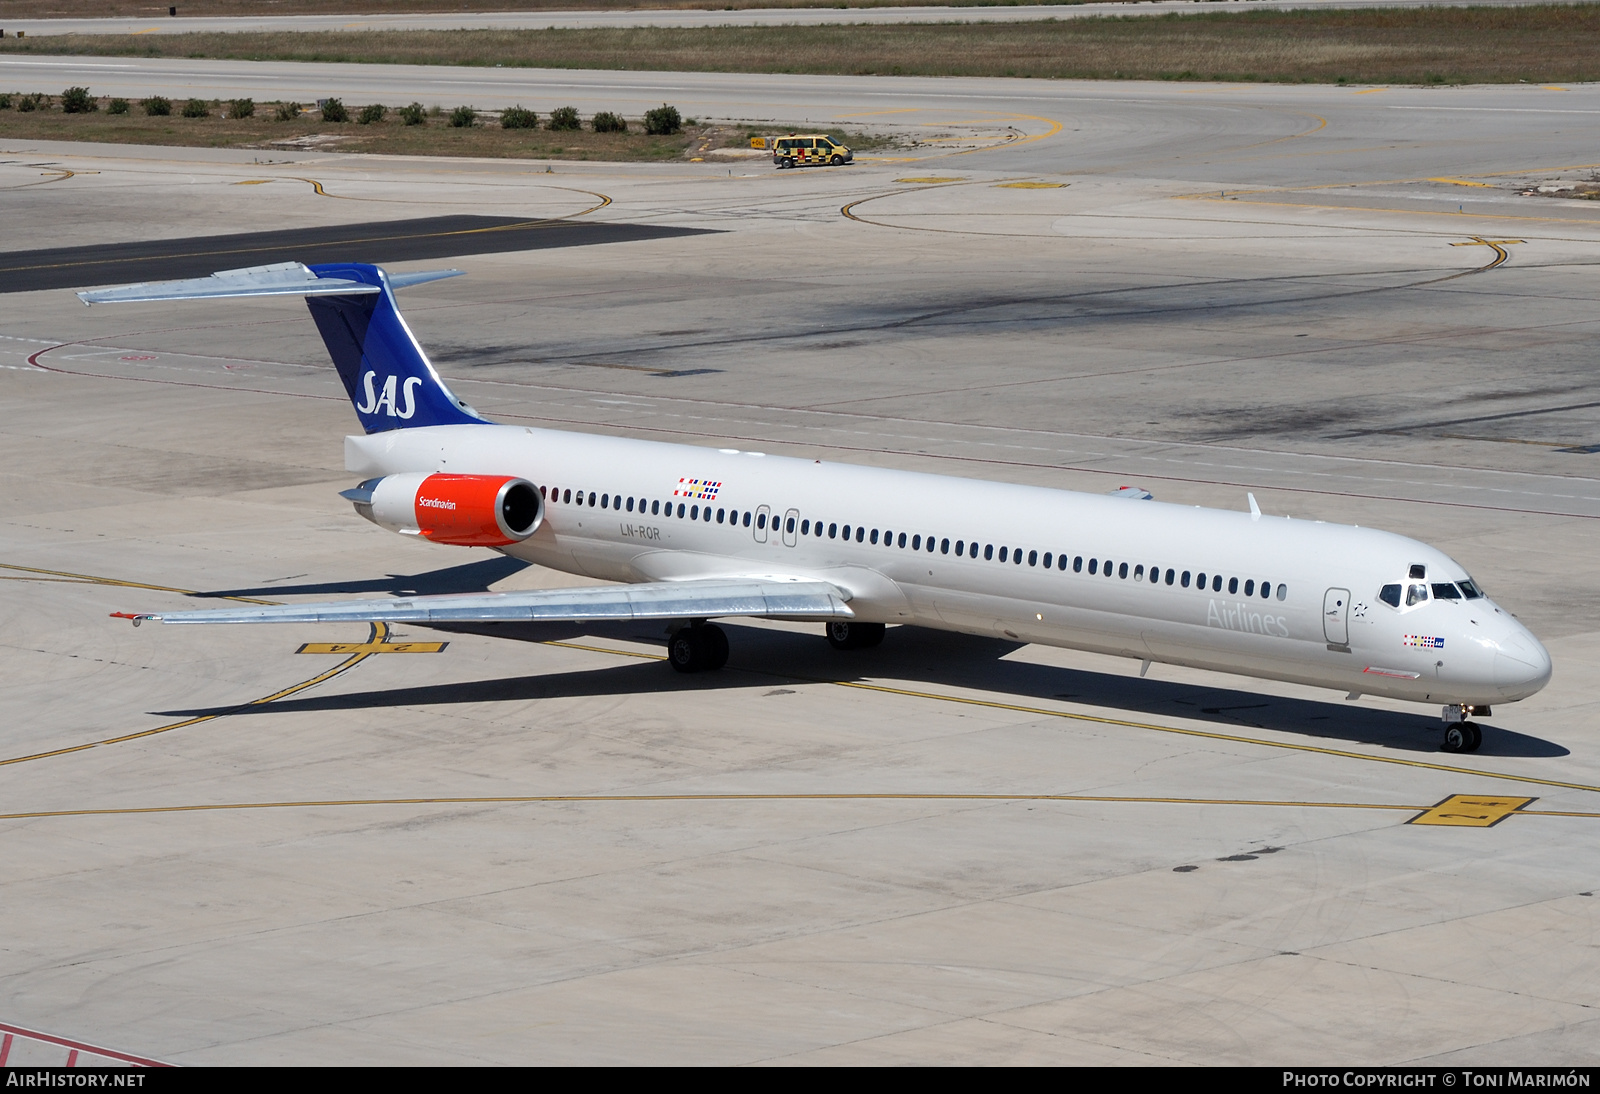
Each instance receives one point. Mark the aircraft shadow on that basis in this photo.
(912, 655)
(469, 577)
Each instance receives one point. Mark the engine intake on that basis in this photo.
(462, 510)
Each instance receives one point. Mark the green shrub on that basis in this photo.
(517, 117)
(196, 108)
(117, 106)
(287, 112)
(565, 117)
(27, 103)
(77, 100)
(372, 112)
(157, 106)
(663, 120)
(463, 117)
(333, 111)
(241, 108)
(607, 122)
(5, 101)
(413, 114)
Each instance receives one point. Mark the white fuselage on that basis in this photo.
(1320, 622)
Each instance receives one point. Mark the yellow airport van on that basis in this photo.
(808, 149)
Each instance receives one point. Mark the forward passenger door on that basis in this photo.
(1336, 617)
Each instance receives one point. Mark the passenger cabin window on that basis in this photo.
(1077, 565)
(1390, 595)
(655, 508)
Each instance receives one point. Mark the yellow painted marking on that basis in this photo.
(380, 631)
(1477, 242)
(1372, 91)
(1029, 185)
(1471, 811)
(146, 30)
(253, 182)
(1374, 208)
(931, 180)
(1055, 127)
(1130, 724)
(95, 580)
(1552, 87)
(372, 647)
(532, 799)
(1464, 182)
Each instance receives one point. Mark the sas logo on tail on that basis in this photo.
(386, 402)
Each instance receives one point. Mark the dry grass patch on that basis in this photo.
(435, 137)
(17, 10)
(1422, 45)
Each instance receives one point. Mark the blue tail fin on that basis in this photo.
(391, 382)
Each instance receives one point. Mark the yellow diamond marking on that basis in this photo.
(372, 647)
(1471, 810)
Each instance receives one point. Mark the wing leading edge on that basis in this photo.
(654, 600)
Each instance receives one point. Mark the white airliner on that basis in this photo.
(694, 534)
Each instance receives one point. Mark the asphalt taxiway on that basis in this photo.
(530, 845)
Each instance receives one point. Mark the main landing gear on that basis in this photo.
(1460, 734)
(845, 635)
(697, 648)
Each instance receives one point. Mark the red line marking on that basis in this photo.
(5, 1049)
(112, 1054)
(72, 1058)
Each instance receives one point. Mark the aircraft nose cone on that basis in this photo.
(1521, 666)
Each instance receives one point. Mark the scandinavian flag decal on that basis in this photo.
(699, 489)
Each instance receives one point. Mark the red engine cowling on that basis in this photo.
(463, 510)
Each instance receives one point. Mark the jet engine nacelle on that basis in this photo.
(462, 510)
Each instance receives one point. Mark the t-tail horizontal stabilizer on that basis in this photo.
(282, 279)
(389, 379)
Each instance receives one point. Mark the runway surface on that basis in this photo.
(541, 845)
(750, 17)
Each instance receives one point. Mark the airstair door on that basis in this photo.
(1336, 617)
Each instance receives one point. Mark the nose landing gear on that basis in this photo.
(1462, 737)
(1460, 734)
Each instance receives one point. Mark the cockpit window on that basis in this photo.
(1469, 589)
(1446, 591)
(1416, 594)
(1390, 595)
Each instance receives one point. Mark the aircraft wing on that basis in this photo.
(708, 599)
